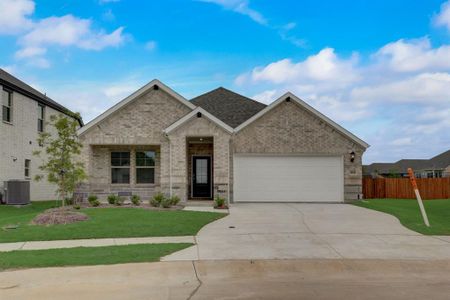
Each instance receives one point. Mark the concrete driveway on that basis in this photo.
(295, 231)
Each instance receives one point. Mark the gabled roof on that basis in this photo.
(15, 84)
(440, 161)
(230, 107)
(309, 108)
(198, 112)
(155, 83)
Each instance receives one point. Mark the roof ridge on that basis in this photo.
(229, 91)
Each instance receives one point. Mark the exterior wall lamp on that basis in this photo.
(352, 156)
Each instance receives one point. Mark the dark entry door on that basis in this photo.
(201, 177)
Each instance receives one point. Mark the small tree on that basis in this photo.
(59, 162)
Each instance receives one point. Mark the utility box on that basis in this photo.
(16, 192)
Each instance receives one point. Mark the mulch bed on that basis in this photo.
(129, 205)
(60, 215)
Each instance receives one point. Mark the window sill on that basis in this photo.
(9, 123)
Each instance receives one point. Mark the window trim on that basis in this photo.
(136, 167)
(27, 169)
(120, 167)
(43, 117)
(10, 107)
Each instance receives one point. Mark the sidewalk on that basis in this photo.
(40, 245)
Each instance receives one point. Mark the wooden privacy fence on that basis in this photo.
(429, 188)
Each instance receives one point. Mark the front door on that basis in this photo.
(201, 177)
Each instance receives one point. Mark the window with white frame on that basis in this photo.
(145, 166)
(120, 167)
(40, 123)
(7, 103)
(27, 168)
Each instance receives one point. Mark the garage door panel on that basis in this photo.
(288, 178)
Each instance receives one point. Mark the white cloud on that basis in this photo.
(266, 97)
(70, 31)
(30, 52)
(35, 37)
(324, 66)
(414, 55)
(14, 15)
(397, 99)
(424, 88)
(150, 45)
(443, 18)
(241, 7)
(406, 141)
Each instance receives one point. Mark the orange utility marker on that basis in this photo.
(412, 178)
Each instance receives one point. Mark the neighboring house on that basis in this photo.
(220, 144)
(436, 167)
(25, 112)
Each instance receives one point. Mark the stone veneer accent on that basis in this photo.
(286, 129)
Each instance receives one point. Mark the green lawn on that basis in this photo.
(408, 212)
(102, 223)
(87, 256)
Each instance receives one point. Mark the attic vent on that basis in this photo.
(288, 99)
(156, 87)
(199, 115)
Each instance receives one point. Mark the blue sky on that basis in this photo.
(379, 68)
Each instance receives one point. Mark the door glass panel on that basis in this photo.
(201, 171)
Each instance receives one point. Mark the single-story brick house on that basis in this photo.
(220, 143)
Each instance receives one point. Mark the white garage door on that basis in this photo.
(288, 178)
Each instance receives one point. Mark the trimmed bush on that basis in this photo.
(112, 199)
(119, 201)
(174, 200)
(157, 199)
(136, 200)
(166, 202)
(93, 200)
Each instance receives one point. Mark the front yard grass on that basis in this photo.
(408, 212)
(102, 223)
(81, 256)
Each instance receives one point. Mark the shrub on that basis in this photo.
(136, 200)
(119, 201)
(112, 199)
(166, 202)
(157, 199)
(93, 200)
(77, 206)
(174, 200)
(219, 201)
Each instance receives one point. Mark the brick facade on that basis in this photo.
(290, 129)
(287, 129)
(18, 141)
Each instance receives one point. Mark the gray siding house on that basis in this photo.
(25, 112)
(220, 143)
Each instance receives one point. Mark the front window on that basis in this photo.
(27, 168)
(145, 167)
(120, 167)
(40, 124)
(7, 98)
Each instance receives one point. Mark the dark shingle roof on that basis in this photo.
(19, 86)
(440, 161)
(230, 107)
